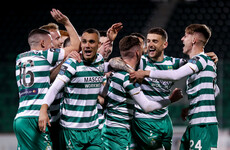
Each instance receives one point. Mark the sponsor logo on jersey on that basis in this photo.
(30, 91)
(98, 85)
(97, 80)
(166, 85)
(93, 79)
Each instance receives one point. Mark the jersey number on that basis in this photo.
(197, 146)
(23, 73)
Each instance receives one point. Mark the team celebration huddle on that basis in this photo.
(71, 96)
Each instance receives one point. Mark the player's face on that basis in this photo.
(89, 45)
(56, 39)
(187, 41)
(156, 46)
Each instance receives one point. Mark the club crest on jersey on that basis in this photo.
(101, 68)
(194, 60)
(55, 50)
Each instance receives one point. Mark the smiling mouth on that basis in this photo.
(152, 50)
(88, 51)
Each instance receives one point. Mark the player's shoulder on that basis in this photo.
(71, 62)
(28, 54)
(122, 75)
(202, 58)
(172, 59)
(55, 50)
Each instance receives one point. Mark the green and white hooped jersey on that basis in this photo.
(83, 82)
(101, 112)
(155, 89)
(200, 90)
(120, 107)
(55, 106)
(33, 79)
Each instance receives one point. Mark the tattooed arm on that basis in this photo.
(118, 64)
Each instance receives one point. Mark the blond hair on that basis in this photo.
(50, 27)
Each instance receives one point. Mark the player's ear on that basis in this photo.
(42, 43)
(99, 44)
(194, 40)
(165, 44)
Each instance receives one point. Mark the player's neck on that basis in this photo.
(36, 48)
(196, 50)
(131, 62)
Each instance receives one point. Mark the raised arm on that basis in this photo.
(171, 75)
(74, 38)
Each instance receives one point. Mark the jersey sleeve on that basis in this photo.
(143, 62)
(131, 88)
(178, 62)
(68, 69)
(198, 63)
(54, 55)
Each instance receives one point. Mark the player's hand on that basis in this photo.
(213, 56)
(113, 31)
(43, 118)
(137, 76)
(75, 55)
(106, 48)
(176, 95)
(184, 113)
(59, 17)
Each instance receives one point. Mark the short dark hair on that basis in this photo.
(128, 42)
(138, 35)
(159, 31)
(38, 31)
(103, 33)
(66, 42)
(92, 30)
(35, 35)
